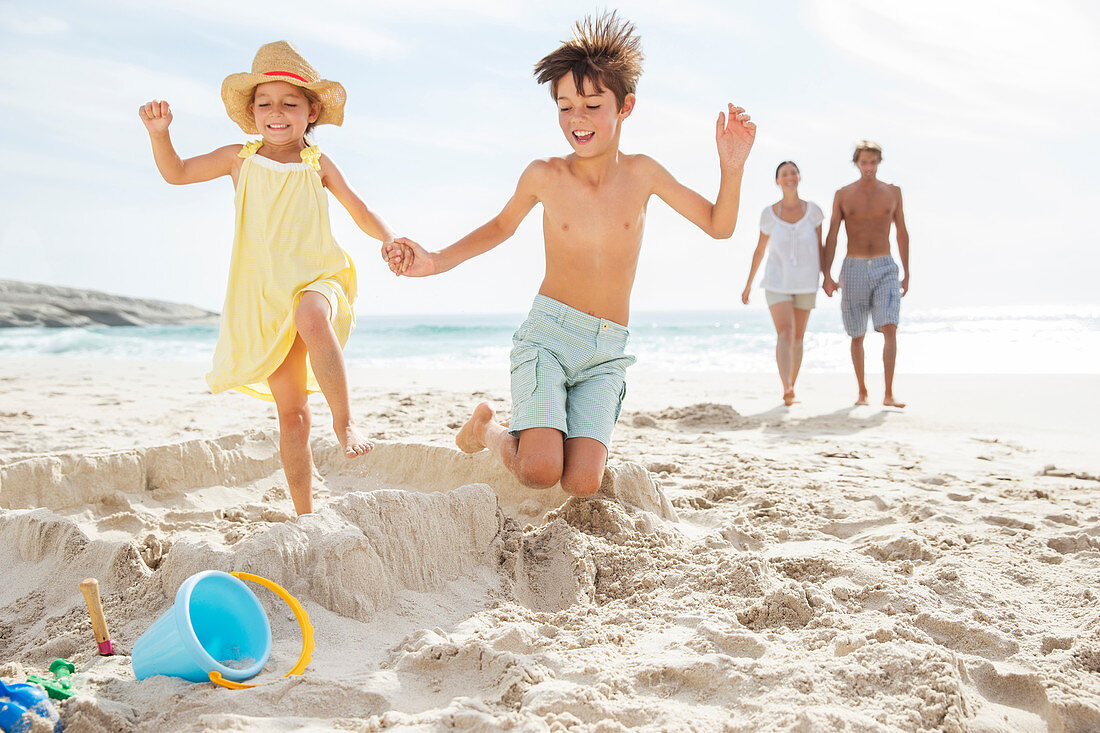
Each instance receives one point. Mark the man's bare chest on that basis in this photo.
(876, 205)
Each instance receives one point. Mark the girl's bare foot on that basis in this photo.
(471, 438)
(862, 399)
(788, 398)
(353, 441)
(891, 402)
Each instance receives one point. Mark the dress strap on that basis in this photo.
(311, 156)
(249, 148)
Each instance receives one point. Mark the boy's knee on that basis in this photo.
(538, 472)
(580, 483)
(889, 330)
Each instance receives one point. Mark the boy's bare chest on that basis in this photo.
(616, 213)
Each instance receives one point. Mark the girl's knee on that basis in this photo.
(312, 316)
(295, 422)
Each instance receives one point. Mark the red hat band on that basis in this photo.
(287, 73)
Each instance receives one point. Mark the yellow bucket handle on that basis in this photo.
(303, 622)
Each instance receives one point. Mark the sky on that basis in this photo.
(986, 112)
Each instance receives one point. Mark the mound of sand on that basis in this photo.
(697, 417)
(415, 520)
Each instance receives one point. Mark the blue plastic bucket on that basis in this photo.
(216, 624)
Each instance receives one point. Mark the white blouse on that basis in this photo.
(794, 264)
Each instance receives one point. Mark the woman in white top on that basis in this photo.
(793, 273)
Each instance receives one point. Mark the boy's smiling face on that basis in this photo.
(590, 120)
(282, 111)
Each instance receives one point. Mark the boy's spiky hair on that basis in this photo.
(605, 50)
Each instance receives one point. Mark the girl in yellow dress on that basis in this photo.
(288, 307)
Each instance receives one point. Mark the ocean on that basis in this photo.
(1055, 340)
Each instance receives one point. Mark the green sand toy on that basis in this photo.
(61, 686)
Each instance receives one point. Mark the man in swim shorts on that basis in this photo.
(869, 284)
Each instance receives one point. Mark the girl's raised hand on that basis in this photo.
(156, 115)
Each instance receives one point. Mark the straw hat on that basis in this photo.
(280, 61)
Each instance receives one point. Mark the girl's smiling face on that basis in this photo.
(589, 120)
(282, 112)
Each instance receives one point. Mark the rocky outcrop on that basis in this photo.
(33, 304)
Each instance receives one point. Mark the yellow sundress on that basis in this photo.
(282, 247)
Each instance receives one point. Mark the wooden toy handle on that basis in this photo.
(90, 588)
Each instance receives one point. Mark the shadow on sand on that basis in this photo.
(838, 422)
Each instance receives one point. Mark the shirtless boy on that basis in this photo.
(869, 276)
(568, 357)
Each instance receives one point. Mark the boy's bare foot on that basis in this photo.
(862, 399)
(891, 402)
(353, 441)
(471, 438)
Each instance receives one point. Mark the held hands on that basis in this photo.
(406, 257)
(830, 286)
(156, 115)
(735, 137)
(422, 262)
(396, 256)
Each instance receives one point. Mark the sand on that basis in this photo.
(745, 567)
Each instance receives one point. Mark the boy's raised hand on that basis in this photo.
(156, 115)
(735, 136)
